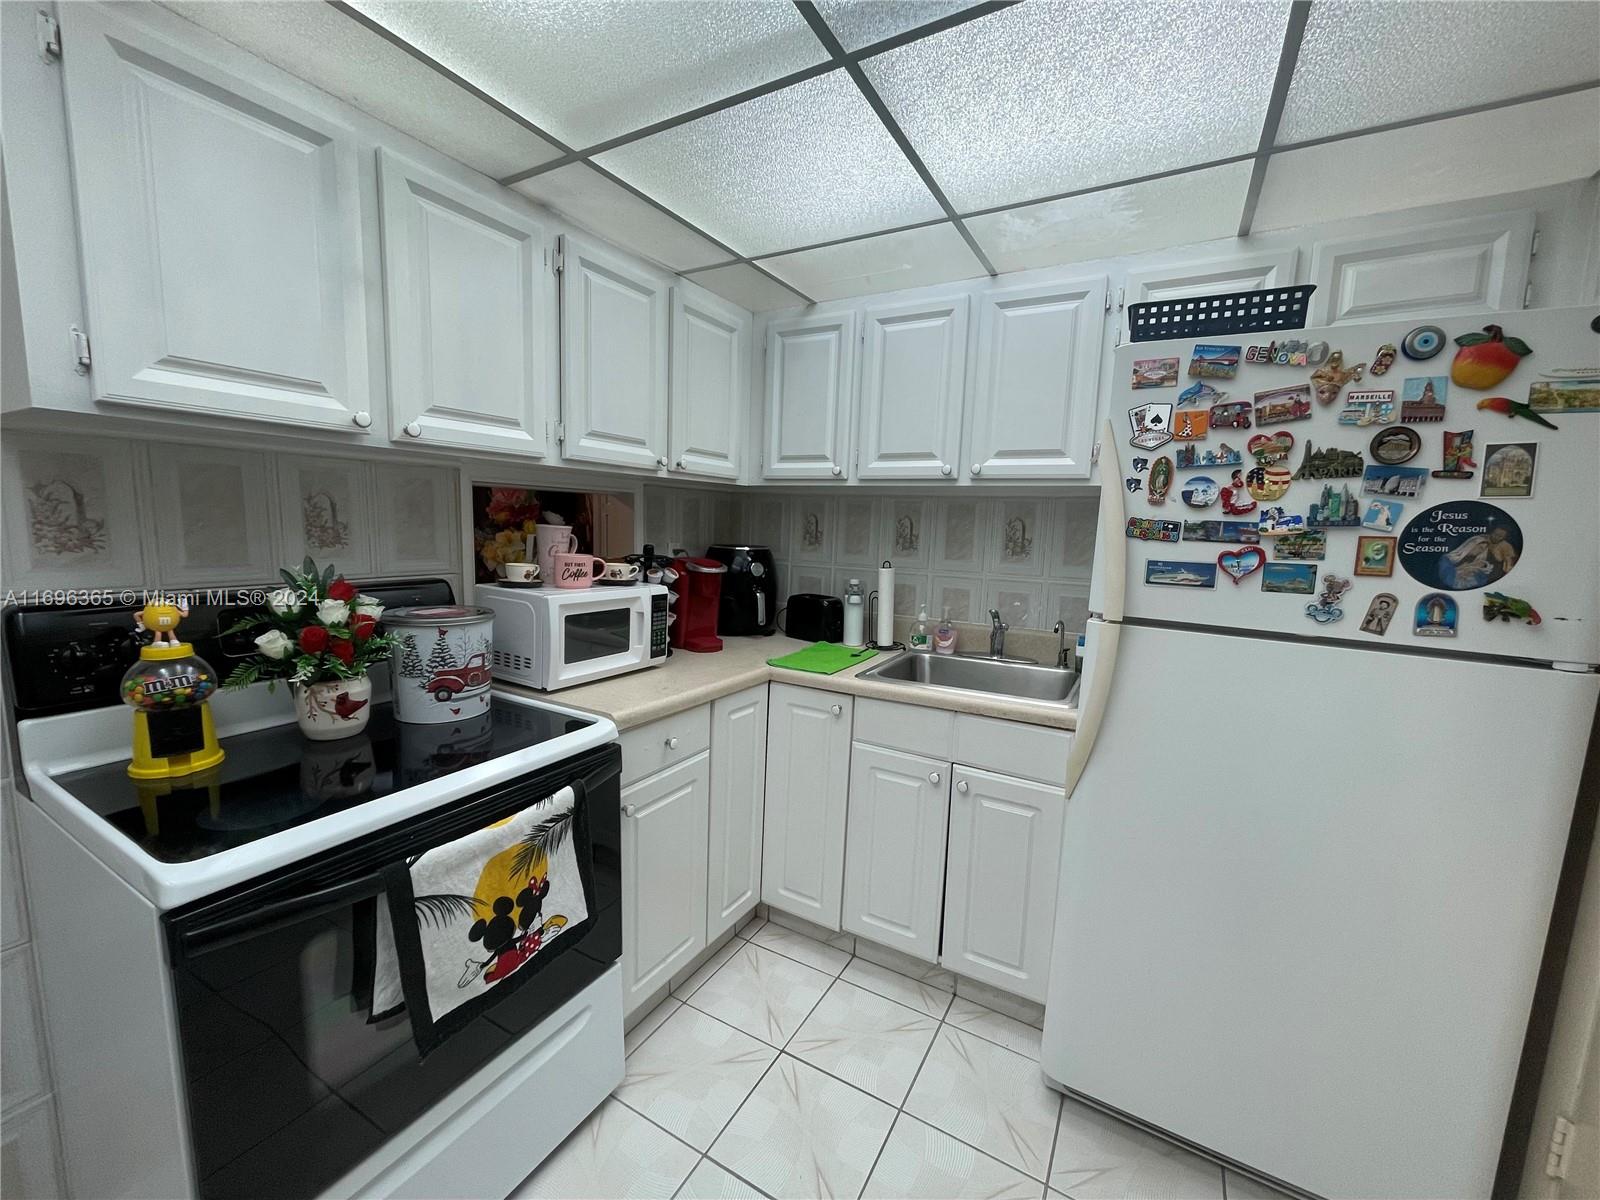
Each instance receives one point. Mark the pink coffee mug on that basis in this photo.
(576, 570)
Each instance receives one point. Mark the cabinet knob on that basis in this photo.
(961, 785)
(838, 470)
(662, 461)
(934, 777)
(414, 429)
(362, 419)
(629, 809)
(977, 468)
(836, 710)
(945, 470)
(672, 743)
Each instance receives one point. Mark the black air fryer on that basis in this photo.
(749, 604)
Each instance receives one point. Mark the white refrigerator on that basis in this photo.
(1308, 868)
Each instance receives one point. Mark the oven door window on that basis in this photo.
(596, 633)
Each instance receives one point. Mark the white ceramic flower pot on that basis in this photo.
(336, 708)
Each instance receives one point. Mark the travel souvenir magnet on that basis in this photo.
(1239, 564)
(1329, 463)
(1507, 407)
(1152, 426)
(1148, 529)
(1392, 481)
(1243, 532)
(1290, 352)
(1274, 522)
(1167, 573)
(1214, 362)
(1270, 448)
(1155, 372)
(1160, 480)
(1370, 407)
(1140, 464)
(1236, 498)
(1391, 447)
(1310, 546)
(1199, 491)
(1291, 579)
(1460, 545)
(1235, 415)
(1383, 359)
(1199, 393)
(1329, 379)
(1458, 453)
(1508, 470)
(1382, 515)
(1133, 483)
(1379, 613)
(1435, 616)
(1283, 404)
(1422, 343)
(1374, 555)
(1497, 606)
(1267, 483)
(1191, 457)
(1327, 609)
(1483, 360)
(1191, 425)
(1569, 394)
(1335, 508)
(1422, 399)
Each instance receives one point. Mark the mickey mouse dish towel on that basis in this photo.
(471, 921)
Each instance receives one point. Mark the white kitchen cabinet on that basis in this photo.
(1479, 264)
(894, 849)
(471, 310)
(811, 382)
(808, 776)
(710, 383)
(1032, 411)
(1000, 886)
(663, 859)
(614, 336)
(913, 381)
(738, 788)
(1246, 272)
(227, 266)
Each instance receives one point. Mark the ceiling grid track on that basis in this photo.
(1293, 34)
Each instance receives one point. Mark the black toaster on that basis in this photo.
(813, 617)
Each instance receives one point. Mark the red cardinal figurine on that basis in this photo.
(1507, 407)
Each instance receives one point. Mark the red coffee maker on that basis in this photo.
(699, 600)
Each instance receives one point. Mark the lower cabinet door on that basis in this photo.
(894, 849)
(663, 861)
(738, 785)
(808, 773)
(1000, 886)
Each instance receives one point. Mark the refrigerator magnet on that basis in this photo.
(1214, 362)
(1192, 425)
(1238, 565)
(1422, 399)
(1160, 480)
(1308, 546)
(1191, 456)
(1155, 372)
(1133, 483)
(1274, 522)
(1334, 509)
(1508, 470)
(1236, 498)
(1391, 447)
(1370, 407)
(1499, 607)
(1383, 359)
(1330, 463)
(1382, 515)
(1235, 415)
(1152, 426)
(1267, 483)
(1149, 529)
(1458, 452)
(1329, 379)
(1393, 481)
(1483, 360)
(1246, 533)
(1374, 555)
(1269, 449)
(1164, 572)
(1326, 610)
(1283, 404)
(1290, 579)
(1507, 407)
(1379, 613)
(1460, 546)
(1562, 390)
(1199, 491)
(1435, 616)
(1200, 393)
(1422, 343)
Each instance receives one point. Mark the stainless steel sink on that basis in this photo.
(996, 677)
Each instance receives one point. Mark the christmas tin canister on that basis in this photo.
(441, 662)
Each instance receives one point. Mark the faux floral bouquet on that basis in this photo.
(318, 628)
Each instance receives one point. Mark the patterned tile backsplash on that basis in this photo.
(1029, 557)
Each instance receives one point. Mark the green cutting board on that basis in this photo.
(823, 658)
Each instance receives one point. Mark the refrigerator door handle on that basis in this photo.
(1092, 704)
(1112, 536)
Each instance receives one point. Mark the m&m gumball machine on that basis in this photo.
(167, 689)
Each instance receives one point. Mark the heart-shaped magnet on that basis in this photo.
(1268, 449)
(1237, 564)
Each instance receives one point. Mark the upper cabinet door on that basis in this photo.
(1475, 265)
(913, 378)
(810, 394)
(222, 236)
(1211, 277)
(614, 358)
(1033, 406)
(710, 383)
(469, 302)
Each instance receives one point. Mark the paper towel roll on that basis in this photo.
(884, 634)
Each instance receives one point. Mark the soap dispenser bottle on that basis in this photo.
(921, 638)
(944, 637)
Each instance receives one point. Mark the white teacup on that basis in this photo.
(519, 572)
(622, 571)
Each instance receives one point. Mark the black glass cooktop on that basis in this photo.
(275, 779)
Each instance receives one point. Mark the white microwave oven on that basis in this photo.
(550, 638)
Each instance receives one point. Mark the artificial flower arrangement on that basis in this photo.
(321, 628)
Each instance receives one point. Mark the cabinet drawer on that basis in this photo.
(1009, 747)
(905, 727)
(660, 744)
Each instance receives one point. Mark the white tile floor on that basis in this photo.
(786, 1067)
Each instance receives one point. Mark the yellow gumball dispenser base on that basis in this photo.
(147, 764)
(167, 689)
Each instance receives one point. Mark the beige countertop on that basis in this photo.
(689, 680)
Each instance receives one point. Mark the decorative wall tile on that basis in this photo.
(1018, 601)
(963, 526)
(725, 528)
(1017, 541)
(1067, 603)
(959, 598)
(910, 593)
(697, 517)
(806, 578)
(763, 522)
(857, 533)
(72, 513)
(212, 515)
(418, 529)
(1072, 538)
(907, 534)
(811, 534)
(326, 506)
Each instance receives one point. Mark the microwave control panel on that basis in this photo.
(658, 626)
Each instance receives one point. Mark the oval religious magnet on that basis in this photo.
(1435, 616)
(1160, 480)
(1460, 545)
(1391, 447)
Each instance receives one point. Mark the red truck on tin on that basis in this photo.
(472, 676)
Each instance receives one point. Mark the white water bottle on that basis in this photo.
(855, 615)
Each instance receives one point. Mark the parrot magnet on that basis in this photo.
(1507, 407)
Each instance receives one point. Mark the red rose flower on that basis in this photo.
(313, 639)
(342, 589)
(361, 626)
(344, 651)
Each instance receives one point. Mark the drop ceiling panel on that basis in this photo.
(1369, 64)
(1485, 154)
(857, 24)
(747, 287)
(911, 258)
(1194, 207)
(807, 164)
(1055, 95)
(329, 50)
(593, 202)
(588, 70)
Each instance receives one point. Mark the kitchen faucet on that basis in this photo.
(1064, 654)
(997, 635)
